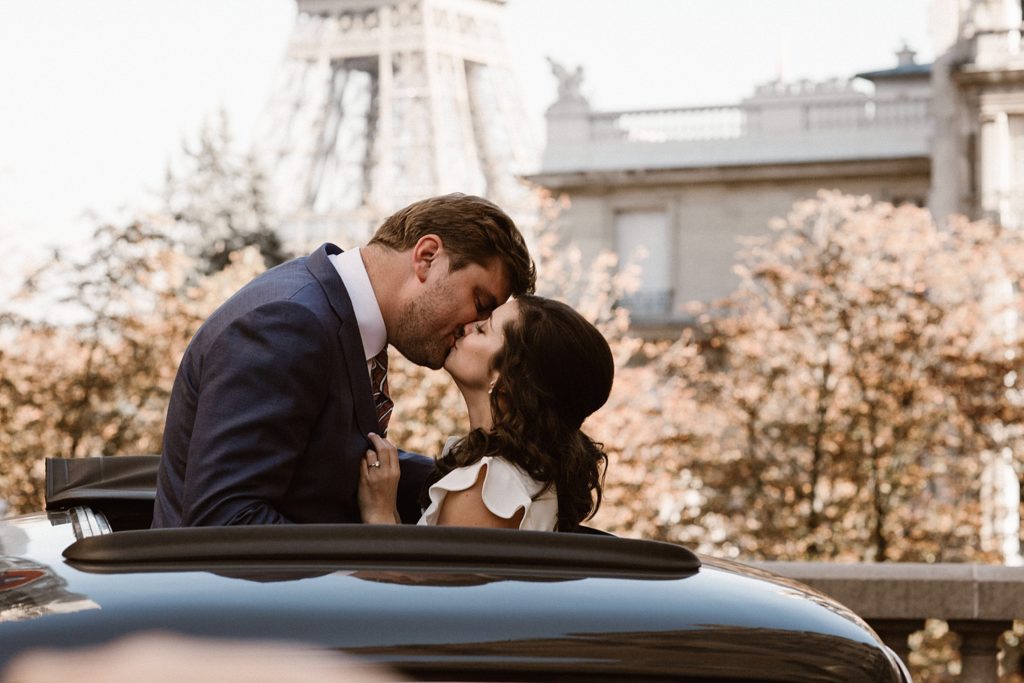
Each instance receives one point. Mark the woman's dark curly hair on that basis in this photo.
(555, 369)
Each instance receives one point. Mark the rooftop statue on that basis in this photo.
(569, 82)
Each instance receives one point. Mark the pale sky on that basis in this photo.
(96, 96)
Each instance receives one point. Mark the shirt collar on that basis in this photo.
(350, 267)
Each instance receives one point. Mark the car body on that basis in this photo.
(432, 603)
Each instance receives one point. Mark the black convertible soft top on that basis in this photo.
(122, 487)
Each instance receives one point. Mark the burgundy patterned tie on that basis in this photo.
(379, 381)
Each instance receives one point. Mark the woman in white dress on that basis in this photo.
(530, 375)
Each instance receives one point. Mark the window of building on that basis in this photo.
(642, 237)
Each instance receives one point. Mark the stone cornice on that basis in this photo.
(770, 172)
(974, 76)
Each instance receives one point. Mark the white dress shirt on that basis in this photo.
(374, 335)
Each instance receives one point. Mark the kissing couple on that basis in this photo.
(280, 407)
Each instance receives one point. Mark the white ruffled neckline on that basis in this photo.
(506, 490)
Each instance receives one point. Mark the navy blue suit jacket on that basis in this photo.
(271, 408)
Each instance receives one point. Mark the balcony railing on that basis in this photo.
(979, 602)
(727, 122)
(649, 303)
(659, 125)
(765, 129)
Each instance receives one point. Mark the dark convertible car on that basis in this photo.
(432, 603)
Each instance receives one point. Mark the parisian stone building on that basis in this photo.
(683, 184)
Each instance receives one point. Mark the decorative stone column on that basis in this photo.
(994, 164)
(979, 648)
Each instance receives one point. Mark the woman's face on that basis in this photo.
(471, 360)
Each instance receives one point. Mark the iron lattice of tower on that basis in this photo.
(384, 102)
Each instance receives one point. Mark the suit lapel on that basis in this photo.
(348, 334)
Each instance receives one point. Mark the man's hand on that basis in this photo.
(378, 483)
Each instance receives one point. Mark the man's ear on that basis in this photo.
(425, 253)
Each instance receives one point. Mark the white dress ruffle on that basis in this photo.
(506, 490)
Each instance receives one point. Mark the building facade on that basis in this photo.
(677, 187)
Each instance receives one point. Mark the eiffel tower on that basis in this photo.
(384, 102)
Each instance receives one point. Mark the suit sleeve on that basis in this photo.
(415, 470)
(263, 384)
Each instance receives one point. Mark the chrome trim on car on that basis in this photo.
(88, 523)
(900, 664)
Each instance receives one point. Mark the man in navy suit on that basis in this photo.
(272, 405)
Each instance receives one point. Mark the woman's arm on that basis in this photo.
(467, 508)
(378, 483)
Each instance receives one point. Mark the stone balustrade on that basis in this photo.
(753, 117)
(766, 128)
(660, 125)
(979, 602)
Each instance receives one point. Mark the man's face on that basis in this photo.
(447, 302)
